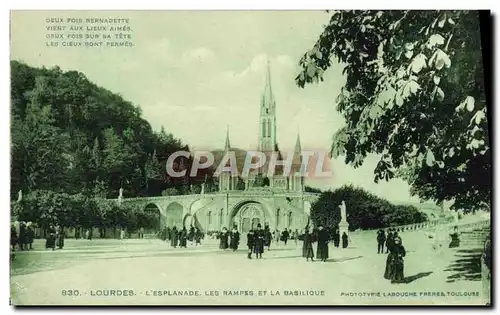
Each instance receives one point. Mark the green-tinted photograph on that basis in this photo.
(250, 158)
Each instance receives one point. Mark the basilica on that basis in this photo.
(276, 199)
(273, 198)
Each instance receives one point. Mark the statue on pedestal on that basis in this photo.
(343, 225)
(120, 196)
(343, 215)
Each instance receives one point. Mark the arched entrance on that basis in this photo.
(248, 216)
(153, 220)
(173, 215)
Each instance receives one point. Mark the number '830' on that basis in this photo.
(70, 292)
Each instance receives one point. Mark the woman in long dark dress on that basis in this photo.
(307, 248)
(268, 237)
(60, 237)
(455, 238)
(51, 238)
(345, 240)
(223, 237)
(197, 237)
(168, 233)
(322, 249)
(235, 239)
(394, 266)
(13, 237)
(336, 238)
(183, 237)
(174, 237)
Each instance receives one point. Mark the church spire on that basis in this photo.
(297, 155)
(267, 96)
(227, 145)
(298, 147)
(267, 134)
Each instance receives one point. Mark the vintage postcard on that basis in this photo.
(249, 158)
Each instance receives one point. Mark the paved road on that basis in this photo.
(150, 272)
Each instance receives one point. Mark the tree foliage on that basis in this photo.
(414, 95)
(364, 210)
(45, 207)
(69, 135)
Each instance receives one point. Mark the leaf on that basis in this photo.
(470, 103)
(440, 94)
(413, 86)
(441, 60)
(340, 98)
(440, 164)
(451, 152)
(399, 100)
(478, 117)
(400, 73)
(451, 21)
(435, 39)
(442, 21)
(374, 112)
(398, 54)
(476, 143)
(429, 158)
(460, 107)
(436, 80)
(311, 70)
(409, 54)
(418, 63)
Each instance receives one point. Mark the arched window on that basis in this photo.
(269, 129)
(290, 219)
(278, 217)
(209, 217)
(263, 129)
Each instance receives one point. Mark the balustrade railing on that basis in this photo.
(468, 224)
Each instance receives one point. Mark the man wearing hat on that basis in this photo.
(250, 242)
(259, 239)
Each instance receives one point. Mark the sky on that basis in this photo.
(199, 72)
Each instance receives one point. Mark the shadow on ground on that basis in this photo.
(416, 277)
(466, 266)
(343, 259)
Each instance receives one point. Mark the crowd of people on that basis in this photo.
(55, 237)
(322, 236)
(180, 237)
(22, 235)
